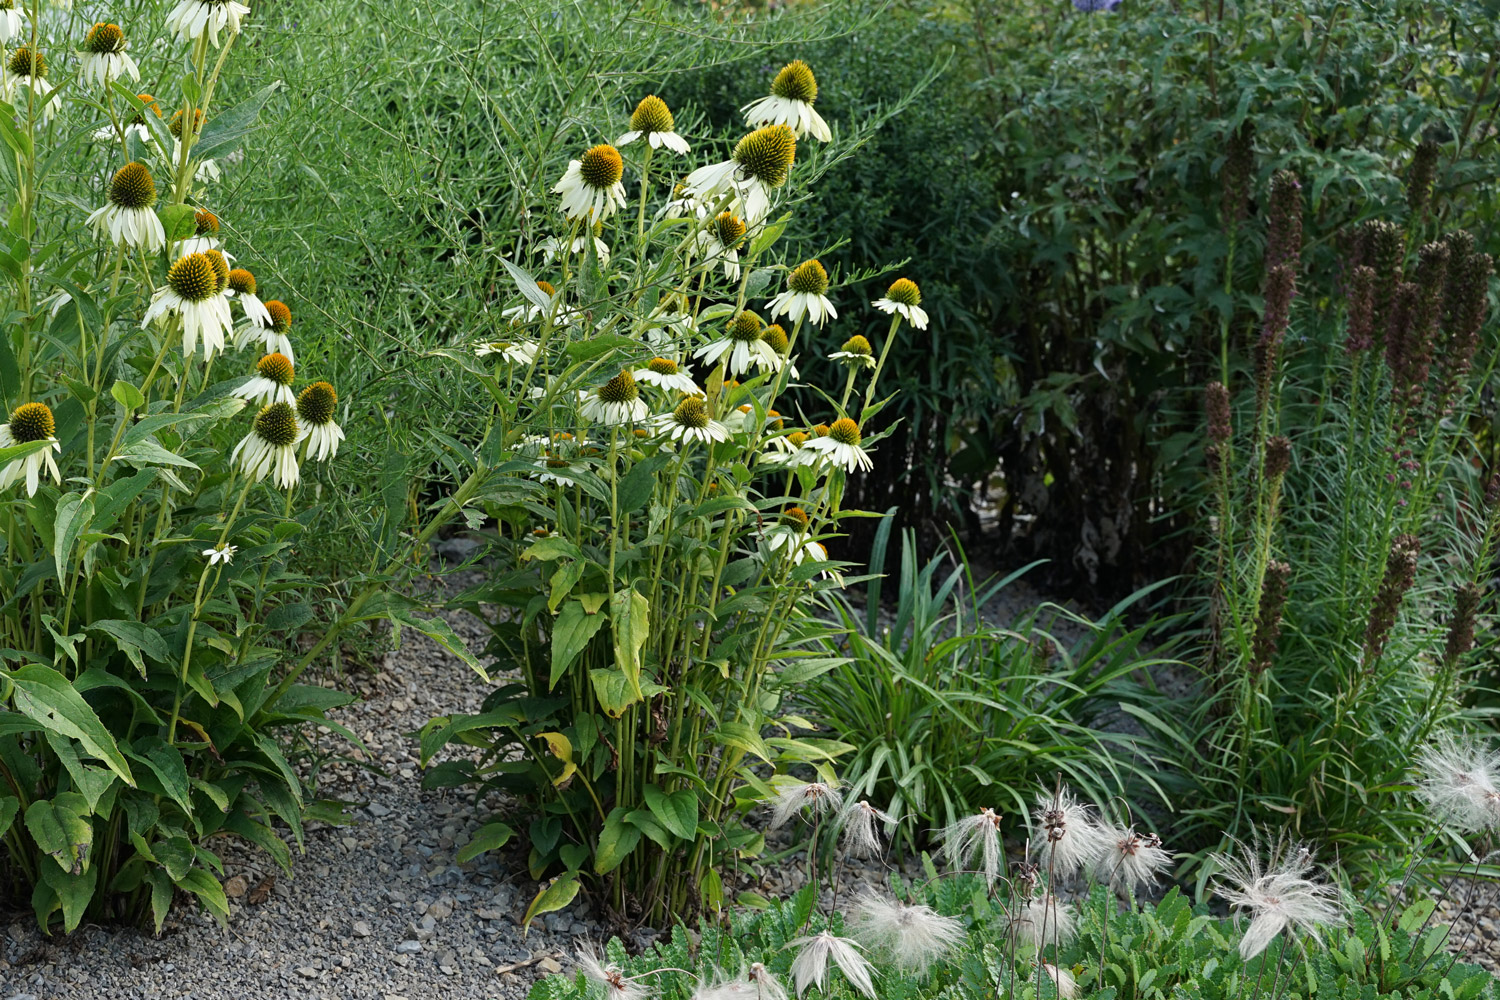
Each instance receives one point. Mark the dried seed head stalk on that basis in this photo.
(1461, 629)
(1384, 247)
(1216, 403)
(1235, 175)
(1284, 232)
(1268, 622)
(1400, 574)
(1361, 291)
(1419, 178)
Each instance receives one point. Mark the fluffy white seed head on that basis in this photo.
(1457, 779)
(973, 840)
(1067, 838)
(1277, 894)
(913, 935)
(792, 797)
(810, 967)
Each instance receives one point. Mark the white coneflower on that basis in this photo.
(206, 171)
(914, 935)
(271, 446)
(810, 967)
(790, 535)
(1044, 919)
(775, 337)
(904, 297)
(591, 188)
(653, 119)
(617, 401)
(861, 838)
(761, 161)
(667, 374)
(30, 422)
(205, 235)
(194, 294)
(1067, 986)
(134, 125)
(689, 421)
(221, 553)
(104, 56)
(792, 797)
(272, 382)
(721, 241)
(27, 68)
(128, 215)
(1278, 897)
(786, 451)
(609, 980)
(1457, 780)
(971, 837)
(804, 295)
(683, 204)
(855, 353)
(12, 21)
(552, 246)
(1130, 860)
(242, 290)
(315, 406)
(841, 446)
(740, 348)
(1068, 839)
(790, 103)
(527, 311)
(517, 352)
(190, 20)
(274, 337)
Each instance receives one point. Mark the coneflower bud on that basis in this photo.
(1361, 336)
(1278, 457)
(1234, 175)
(1461, 629)
(1284, 233)
(1216, 403)
(1268, 621)
(1400, 574)
(1419, 179)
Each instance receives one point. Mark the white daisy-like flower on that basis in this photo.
(690, 421)
(790, 103)
(517, 352)
(1044, 919)
(194, 295)
(810, 967)
(861, 837)
(275, 338)
(819, 798)
(526, 311)
(205, 236)
(1067, 986)
(272, 382)
(1457, 780)
(1132, 859)
(204, 171)
(270, 449)
(914, 935)
(973, 840)
(609, 981)
(30, 422)
(190, 20)
(721, 241)
(315, 406)
(904, 298)
(653, 120)
(682, 205)
(761, 162)
(242, 290)
(741, 348)
(667, 374)
(616, 402)
(552, 246)
(1278, 896)
(841, 446)
(128, 216)
(786, 451)
(221, 553)
(790, 534)
(104, 57)
(668, 322)
(591, 188)
(805, 295)
(1068, 838)
(27, 68)
(134, 125)
(12, 21)
(856, 353)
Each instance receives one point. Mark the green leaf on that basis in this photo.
(73, 890)
(490, 837)
(175, 854)
(677, 812)
(74, 512)
(613, 691)
(637, 485)
(91, 782)
(552, 548)
(133, 639)
(178, 220)
(62, 828)
(9, 807)
(557, 894)
(161, 896)
(288, 617)
(630, 621)
(127, 395)
(571, 632)
(616, 841)
(223, 134)
(15, 451)
(528, 286)
(148, 452)
(208, 890)
(45, 695)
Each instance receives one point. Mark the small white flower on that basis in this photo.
(790, 535)
(192, 293)
(721, 240)
(977, 835)
(1278, 896)
(810, 967)
(12, 22)
(30, 422)
(272, 382)
(792, 797)
(741, 348)
(914, 935)
(591, 188)
(552, 246)
(761, 162)
(683, 204)
(609, 981)
(841, 446)
(653, 120)
(516, 352)
(242, 290)
(856, 353)
(690, 421)
(320, 433)
(790, 103)
(903, 297)
(804, 295)
(221, 553)
(667, 374)
(190, 20)
(616, 402)
(861, 839)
